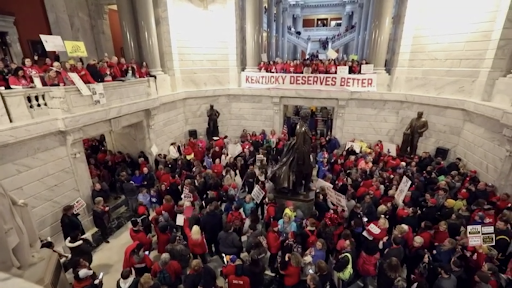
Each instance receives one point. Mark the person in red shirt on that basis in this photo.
(271, 210)
(196, 242)
(273, 244)
(137, 235)
(331, 67)
(53, 78)
(122, 65)
(299, 68)
(171, 266)
(163, 236)
(239, 280)
(83, 73)
(440, 233)
(31, 69)
(113, 65)
(262, 67)
(290, 268)
(48, 63)
(19, 79)
(136, 259)
(217, 169)
(143, 71)
(230, 268)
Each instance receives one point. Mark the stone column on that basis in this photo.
(284, 37)
(100, 23)
(381, 27)
(129, 29)
(279, 32)
(359, 19)
(271, 31)
(504, 180)
(344, 24)
(297, 25)
(363, 26)
(254, 31)
(148, 36)
(369, 32)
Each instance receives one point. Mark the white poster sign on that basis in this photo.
(402, 190)
(79, 84)
(234, 149)
(322, 183)
(180, 219)
(257, 194)
(264, 57)
(356, 146)
(332, 54)
(367, 69)
(154, 150)
(37, 81)
(322, 56)
(52, 42)
(353, 82)
(78, 205)
(342, 70)
(98, 94)
(389, 148)
(187, 196)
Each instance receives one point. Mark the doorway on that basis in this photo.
(5, 52)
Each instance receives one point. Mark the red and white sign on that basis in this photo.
(78, 205)
(355, 82)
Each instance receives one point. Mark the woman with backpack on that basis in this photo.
(167, 272)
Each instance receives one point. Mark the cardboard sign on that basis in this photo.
(332, 54)
(78, 205)
(402, 190)
(257, 194)
(488, 240)
(367, 69)
(480, 235)
(264, 57)
(342, 70)
(234, 150)
(474, 230)
(180, 219)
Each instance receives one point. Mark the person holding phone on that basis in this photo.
(84, 276)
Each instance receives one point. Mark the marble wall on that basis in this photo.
(209, 59)
(462, 59)
(39, 171)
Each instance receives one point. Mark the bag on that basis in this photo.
(312, 239)
(346, 274)
(237, 219)
(164, 278)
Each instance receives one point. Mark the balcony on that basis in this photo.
(343, 39)
(22, 105)
(320, 32)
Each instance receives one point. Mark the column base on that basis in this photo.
(383, 80)
(163, 84)
(252, 69)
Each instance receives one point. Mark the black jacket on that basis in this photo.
(255, 274)
(383, 279)
(70, 224)
(100, 218)
(211, 225)
(206, 278)
(128, 283)
(179, 253)
(81, 249)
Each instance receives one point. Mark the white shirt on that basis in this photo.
(173, 152)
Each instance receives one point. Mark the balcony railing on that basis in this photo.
(301, 39)
(28, 104)
(322, 29)
(343, 36)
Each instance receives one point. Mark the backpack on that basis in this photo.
(346, 274)
(237, 219)
(312, 239)
(164, 278)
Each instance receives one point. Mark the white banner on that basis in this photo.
(367, 69)
(52, 42)
(79, 84)
(234, 149)
(354, 82)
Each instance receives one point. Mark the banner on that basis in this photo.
(353, 82)
(79, 83)
(257, 194)
(52, 42)
(75, 48)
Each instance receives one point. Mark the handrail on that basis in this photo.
(321, 29)
(302, 39)
(343, 36)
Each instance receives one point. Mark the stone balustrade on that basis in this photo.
(22, 105)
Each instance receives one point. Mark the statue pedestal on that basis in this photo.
(302, 202)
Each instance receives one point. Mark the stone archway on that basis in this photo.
(7, 25)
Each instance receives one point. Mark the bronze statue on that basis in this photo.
(213, 127)
(412, 134)
(293, 172)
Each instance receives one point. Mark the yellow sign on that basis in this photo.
(75, 48)
(353, 57)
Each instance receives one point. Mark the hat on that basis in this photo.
(464, 194)
(341, 245)
(472, 171)
(449, 203)
(135, 222)
(274, 224)
(233, 258)
(433, 201)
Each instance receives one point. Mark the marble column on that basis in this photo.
(381, 28)
(148, 36)
(359, 19)
(363, 26)
(101, 28)
(271, 31)
(279, 32)
(298, 27)
(344, 24)
(369, 32)
(254, 31)
(128, 29)
(284, 37)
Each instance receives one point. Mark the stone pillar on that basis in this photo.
(278, 114)
(344, 24)
(254, 31)
(148, 36)
(504, 180)
(339, 119)
(359, 19)
(129, 29)
(271, 31)
(284, 38)
(369, 32)
(101, 28)
(279, 32)
(297, 25)
(381, 28)
(363, 26)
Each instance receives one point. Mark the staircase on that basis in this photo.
(344, 39)
(300, 41)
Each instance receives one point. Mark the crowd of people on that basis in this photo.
(33, 71)
(193, 207)
(311, 65)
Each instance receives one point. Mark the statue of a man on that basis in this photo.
(213, 127)
(18, 235)
(412, 134)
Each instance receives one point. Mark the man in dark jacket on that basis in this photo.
(211, 225)
(179, 253)
(70, 223)
(126, 280)
(131, 192)
(81, 248)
